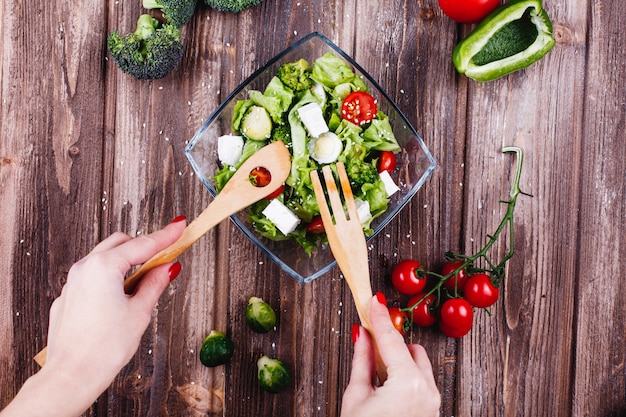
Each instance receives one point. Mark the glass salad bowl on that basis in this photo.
(414, 161)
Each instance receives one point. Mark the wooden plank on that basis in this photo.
(600, 311)
(500, 371)
(50, 148)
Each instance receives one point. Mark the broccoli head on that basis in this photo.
(361, 173)
(231, 6)
(282, 133)
(295, 75)
(151, 52)
(176, 12)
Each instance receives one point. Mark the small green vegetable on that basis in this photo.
(231, 6)
(176, 12)
(259, 315)
(256, 124)
(273, 374)
(151, 52)
(217, 349)
(512, 37)
(295, 75)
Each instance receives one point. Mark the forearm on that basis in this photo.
(50, 393)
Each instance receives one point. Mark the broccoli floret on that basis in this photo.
(151, 52)
(361, 173)
(295, 75)
(282, 133)
(231, 6)
(176, 12)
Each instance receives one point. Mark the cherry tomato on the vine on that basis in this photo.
(316, 227)
(468, 11)
(408, 277)
(359, 108)
(457, 280)
(399, 319)
(423, 314)
(480, 291)
(456, 317)
(386, 162)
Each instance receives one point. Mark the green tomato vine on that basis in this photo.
(495, 270)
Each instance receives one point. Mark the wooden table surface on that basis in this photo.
(86, 150)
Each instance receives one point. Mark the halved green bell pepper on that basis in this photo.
(512, 37)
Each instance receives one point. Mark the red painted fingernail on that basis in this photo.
(179, 219)
(356, 332)
(381, 298)
(174, 271)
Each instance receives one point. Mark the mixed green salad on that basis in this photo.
(323, 112)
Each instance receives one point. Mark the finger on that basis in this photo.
(420, 357)
(110, 242)
(363, 362)
(138, 250)
(390, 342)
(150, 288)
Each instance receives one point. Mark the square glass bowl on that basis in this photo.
(414, 163)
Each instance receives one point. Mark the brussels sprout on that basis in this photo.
(273, 374)
(217, 349)
(259, 315)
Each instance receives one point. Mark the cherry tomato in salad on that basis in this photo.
(399, 319)
(260, 176)
(480, 291)
(276, 193)
(457, 280)
(316, 227)
(468, 11)
(456, 317)
(386, 162)
(359, 108)
(408, 277)
(424, 313)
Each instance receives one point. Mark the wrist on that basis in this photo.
(51, 392)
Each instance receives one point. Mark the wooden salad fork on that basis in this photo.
(347, 243)
(237, 194)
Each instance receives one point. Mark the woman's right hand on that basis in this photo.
(410, 388)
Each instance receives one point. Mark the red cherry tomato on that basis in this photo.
(456, 317)
(260, 176)
(480, 291)
(359, 108)
(386, 162)
(468, 11)
(316, 227)
(423, 314)
(399, 319)
(457, 280)
(276, 193)
(408, 277)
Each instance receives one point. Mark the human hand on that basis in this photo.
(410, 388)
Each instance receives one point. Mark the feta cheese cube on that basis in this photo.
(390, 186)
(281, 216)
(229, 149)
(363, 210)
(313, 119)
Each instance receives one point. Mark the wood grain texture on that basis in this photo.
(86, 150)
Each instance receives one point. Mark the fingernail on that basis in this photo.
(356, 332)
(179, 219)
(174, 271)
(381, 298)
